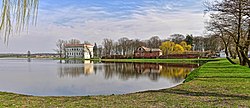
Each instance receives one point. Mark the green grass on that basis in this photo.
(215, 84)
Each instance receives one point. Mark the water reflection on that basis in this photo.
(83, 68)
(126, 71)
(46, 77)
(29, 60)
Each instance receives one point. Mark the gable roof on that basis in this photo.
(74, 45)
(149, 49)
(78, 45)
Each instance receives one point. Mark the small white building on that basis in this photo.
(78, 51)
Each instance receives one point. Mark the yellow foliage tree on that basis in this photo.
(186, 46)
(178, 48)
(167, 47)
(183, 44)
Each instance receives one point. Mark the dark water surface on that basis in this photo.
(44, 77)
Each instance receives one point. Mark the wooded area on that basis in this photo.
(229, 21)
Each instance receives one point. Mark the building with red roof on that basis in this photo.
(78, 51)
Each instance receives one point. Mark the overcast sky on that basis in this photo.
(94, 20)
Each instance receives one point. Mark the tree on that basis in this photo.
(215, 26)
(74, 41)
(198, 43)
(167, 47)
(177, 38)
(87, 43)
(60, 47)
(99, 51)
(108, 46)
(185, 46)
(123, 43)
(236, 24)
(188, 47)
(134, 44)
(154, 42)
(178, 48)
(95, 50)
(17, 15)
(189, 39)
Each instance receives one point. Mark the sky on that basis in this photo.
(94, 20)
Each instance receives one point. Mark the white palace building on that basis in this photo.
(78, 51)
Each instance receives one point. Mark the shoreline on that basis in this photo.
(216, 83)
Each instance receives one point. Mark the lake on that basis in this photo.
(45, 77)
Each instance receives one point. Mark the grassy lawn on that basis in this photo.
(215, 84)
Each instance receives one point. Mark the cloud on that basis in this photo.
(98, 21)
(94, 22)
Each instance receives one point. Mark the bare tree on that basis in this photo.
(108, 46)
(216, 26)
(177, 38)
(74, 41)
(60, 47)
(99, 51)
(198, 43)
(236, 23)
(124, 43)
(154, 42)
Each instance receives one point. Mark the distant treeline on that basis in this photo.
(125, 47)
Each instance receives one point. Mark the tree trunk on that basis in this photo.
(242, 61)
(239, 55)
(226, 43)
(245, 58)
(248, 43)
(227, 56)
(244, 49)
(232, 54)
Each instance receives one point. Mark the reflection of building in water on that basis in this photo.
(121, 70)
(147, 68)
(126, 71)
(76, 70)
(78, 62)
(74, 62)
(88, 67)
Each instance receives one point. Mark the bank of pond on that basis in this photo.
(214, 84)
(74, 77)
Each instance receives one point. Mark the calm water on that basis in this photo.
(43, 77)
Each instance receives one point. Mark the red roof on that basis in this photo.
(149, 49)
(77, 45)
(74, 45)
